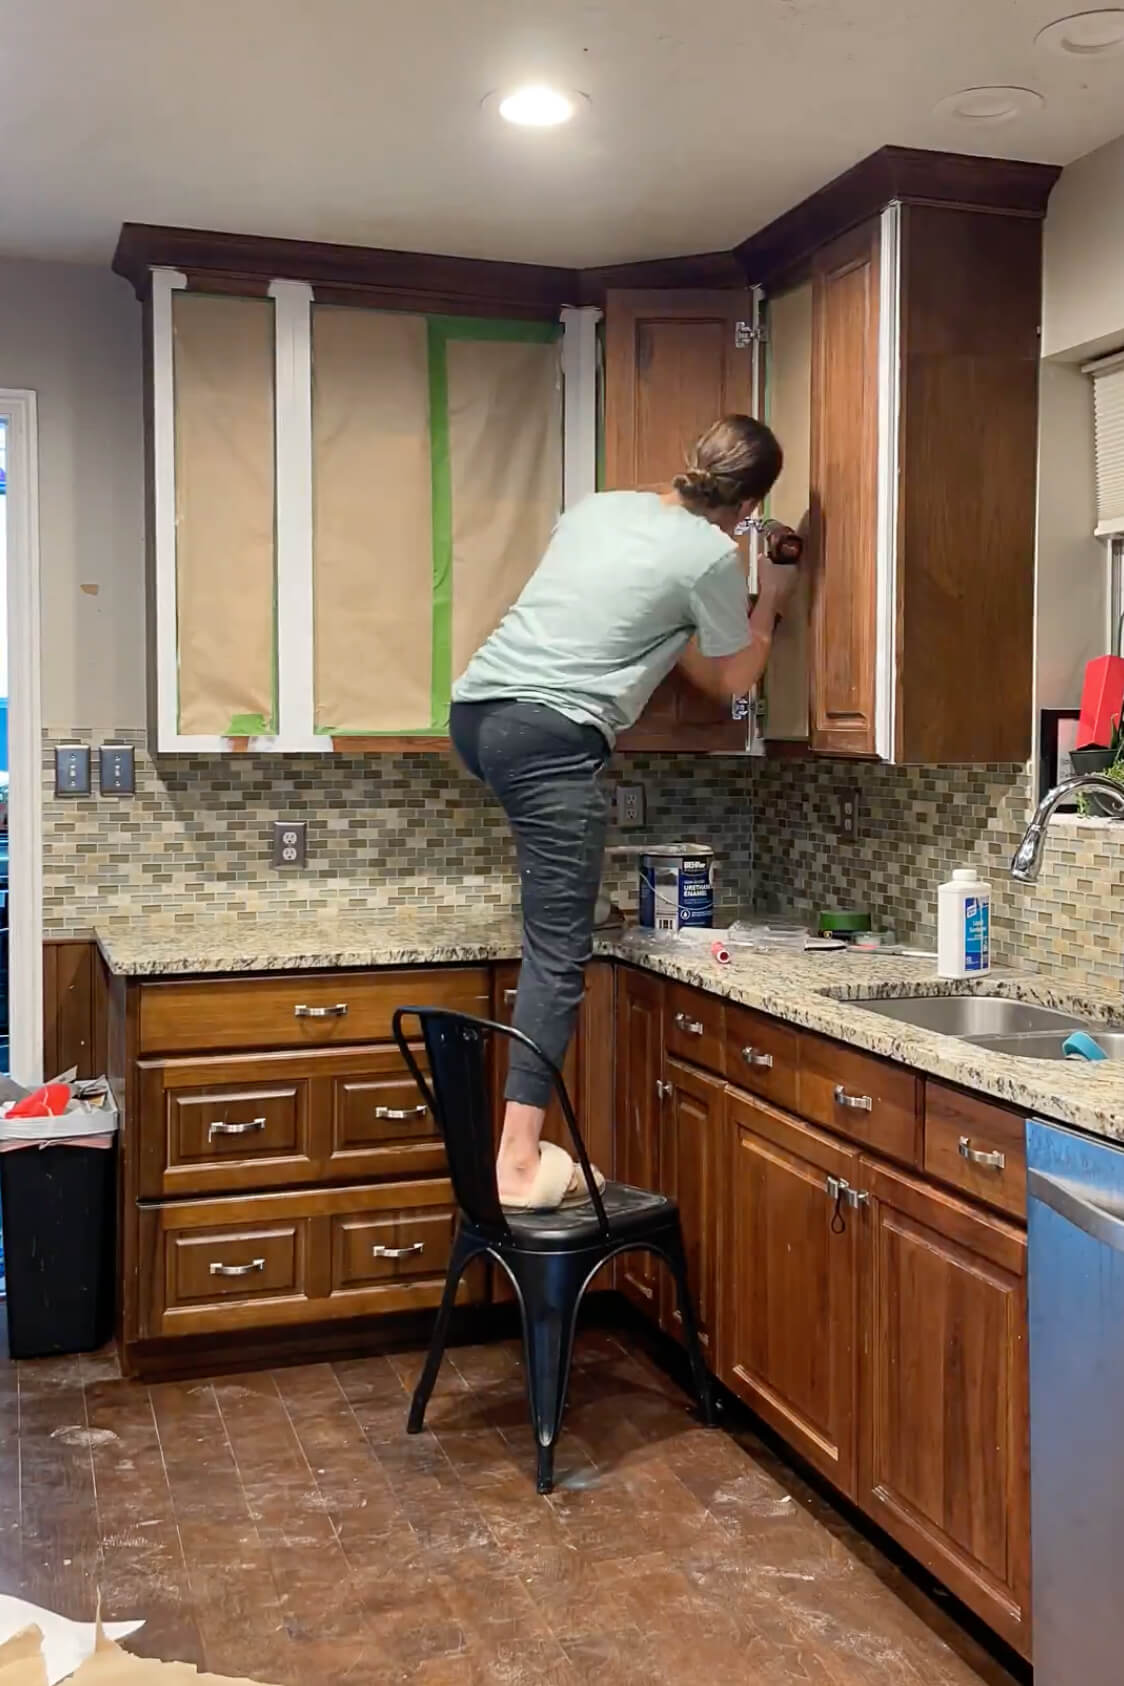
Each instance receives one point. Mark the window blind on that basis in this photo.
(1108, 436)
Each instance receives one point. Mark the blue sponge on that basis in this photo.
(1082, 1047)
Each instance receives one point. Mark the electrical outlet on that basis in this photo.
(630, 805)
(117, 770)
(849, 815)
(72, 769)
(290, 842)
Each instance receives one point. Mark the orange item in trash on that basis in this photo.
(51, 1101)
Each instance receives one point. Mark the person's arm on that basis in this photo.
(733, 674)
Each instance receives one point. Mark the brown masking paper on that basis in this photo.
(372, 533)
(790, 417)
(225, 554)
(21, 1664)
(505, 459)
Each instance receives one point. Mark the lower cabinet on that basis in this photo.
(790, 1347)
(691, 1107)
(639, 1105)
(943, 1454)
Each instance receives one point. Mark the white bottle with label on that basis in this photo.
(964, 925)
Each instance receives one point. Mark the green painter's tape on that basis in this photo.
(599, 481)
(248, 726)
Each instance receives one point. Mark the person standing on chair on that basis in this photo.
(631, 584)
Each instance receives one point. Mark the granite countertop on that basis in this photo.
(819, 991)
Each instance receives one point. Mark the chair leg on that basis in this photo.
(550, 1292)
(675, 1257)
(462, 1255)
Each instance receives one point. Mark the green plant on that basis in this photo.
(1114, 771)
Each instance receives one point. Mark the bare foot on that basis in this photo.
(515, 1175)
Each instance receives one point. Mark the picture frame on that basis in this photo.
(1057, 737)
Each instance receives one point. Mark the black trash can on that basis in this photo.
(59, 1216)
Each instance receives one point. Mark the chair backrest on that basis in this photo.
(457, 1091)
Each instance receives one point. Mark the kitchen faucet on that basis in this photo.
(1027, 862)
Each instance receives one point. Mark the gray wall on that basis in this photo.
(73, 334)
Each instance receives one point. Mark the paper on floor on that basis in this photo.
(66, 1644)
(22, 1661)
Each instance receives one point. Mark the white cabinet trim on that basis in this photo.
(886, 552)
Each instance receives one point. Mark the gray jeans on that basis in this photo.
(545, 770)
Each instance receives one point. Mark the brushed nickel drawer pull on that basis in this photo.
(381, 1252)
(689, 1026)
(339, 1011)
(238, 1270)
(401, 1112)
(221, 1128)
(856, 1103)
(754, 1056)
(509, 997)
(977, 1156)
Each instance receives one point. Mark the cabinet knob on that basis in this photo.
(509, 997)
(688, 1025)
(381, 1252)
(977, 1156)
(854, 1103)
(755, 1057)
(663, 1090)
(401, 1113)
(339, 1011)
(237, 1270)
(220, 1127)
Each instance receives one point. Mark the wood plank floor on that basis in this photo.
(281, 1525)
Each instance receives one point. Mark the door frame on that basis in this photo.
(18, 408)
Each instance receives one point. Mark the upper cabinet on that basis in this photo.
(675, 361)
(346, 501)
(902, 380)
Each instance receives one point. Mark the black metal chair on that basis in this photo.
(550, 1257)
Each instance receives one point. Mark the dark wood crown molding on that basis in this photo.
(480, 286)
(893, 172)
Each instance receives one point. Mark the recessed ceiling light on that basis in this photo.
(989, 105)
(537, 107)
(1086, 35)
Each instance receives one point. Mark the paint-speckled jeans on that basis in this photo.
(545, 770)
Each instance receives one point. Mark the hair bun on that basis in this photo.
(699, 484)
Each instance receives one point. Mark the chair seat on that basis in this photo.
(629, 1211)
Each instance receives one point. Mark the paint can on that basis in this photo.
(676, 887)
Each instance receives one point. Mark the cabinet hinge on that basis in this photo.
(745, 335)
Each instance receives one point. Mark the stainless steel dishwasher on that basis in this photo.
(1075, 1208)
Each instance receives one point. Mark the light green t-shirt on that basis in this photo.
(626, 581)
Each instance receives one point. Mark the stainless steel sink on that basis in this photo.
(1048, 1045)
(974, 1015)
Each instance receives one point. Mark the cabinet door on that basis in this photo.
(788, 387)
(845, 493)
(639, 1072)
(944, 1458)
(672, 367)
(690, 1140)
(788, 1346)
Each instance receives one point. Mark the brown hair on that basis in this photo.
(736, 461)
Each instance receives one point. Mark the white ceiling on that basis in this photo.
(360, 120)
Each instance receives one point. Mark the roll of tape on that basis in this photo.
(721, 953)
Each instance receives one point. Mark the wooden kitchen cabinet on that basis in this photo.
(921, 369)
(689, 1145)
(789, 1339)
(639, 1027)
(675, 361)
(944, 1445)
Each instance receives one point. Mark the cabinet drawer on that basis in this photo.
(395, 1247)
(694, 1026)
(860, 1097)
(208, 1266)
(761, 1055)
(977, 1146)
(296, 1010)
(230, 1123)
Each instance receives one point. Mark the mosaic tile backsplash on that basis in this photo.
(415, 831)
